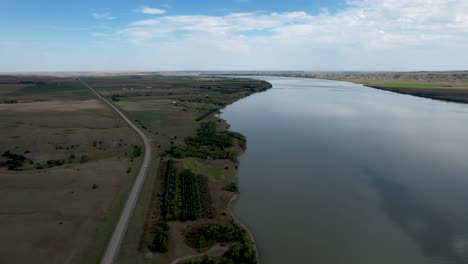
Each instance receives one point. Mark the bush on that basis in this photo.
(239, 253)
(137, 151)
(160, 242)
(164, 226)
(14, 161)
(206, 235)
(232, 187)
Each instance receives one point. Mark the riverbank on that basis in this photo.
(451, 86)
(459, 95)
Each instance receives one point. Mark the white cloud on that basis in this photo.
(363, 35)
(103, 16)
(371, 23)
(367, 34)
(151, 10)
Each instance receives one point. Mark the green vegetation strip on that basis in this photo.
(409, 85)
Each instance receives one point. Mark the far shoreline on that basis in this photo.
(442, 86)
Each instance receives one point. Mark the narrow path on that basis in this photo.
(114, 243)
(186, 258)
(239, 223)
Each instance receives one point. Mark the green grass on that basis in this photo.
(51, 88)
(410, 85)
(6, 89)
(197, 167)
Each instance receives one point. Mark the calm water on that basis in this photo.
(339, 173)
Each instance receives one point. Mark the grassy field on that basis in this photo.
(59, 204)
(213, 172)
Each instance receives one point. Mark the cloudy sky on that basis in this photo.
(63, 35)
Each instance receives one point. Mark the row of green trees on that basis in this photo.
(206, 205)
(180, 198)
(180, 152)
(170, 196)
(190, 197)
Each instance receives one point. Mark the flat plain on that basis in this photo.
(60, 200)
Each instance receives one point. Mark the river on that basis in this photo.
(336, 172)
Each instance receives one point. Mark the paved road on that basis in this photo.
(119, 231)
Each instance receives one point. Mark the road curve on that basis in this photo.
(114, 243)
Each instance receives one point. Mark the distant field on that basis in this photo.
(410, 85)
(27, 89)
(449, 86)
(51, 88)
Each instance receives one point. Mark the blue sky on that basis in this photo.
(105, 35)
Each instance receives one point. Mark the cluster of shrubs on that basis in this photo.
(160, 241)
(232, 187)
(10, 101)
(205, 235)
(207, 143)
(241, 251)
(56, 163)
(137, 151)
(207, 136)
(141, 124)
(14, 161)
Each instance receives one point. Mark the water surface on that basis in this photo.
(340, 173)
